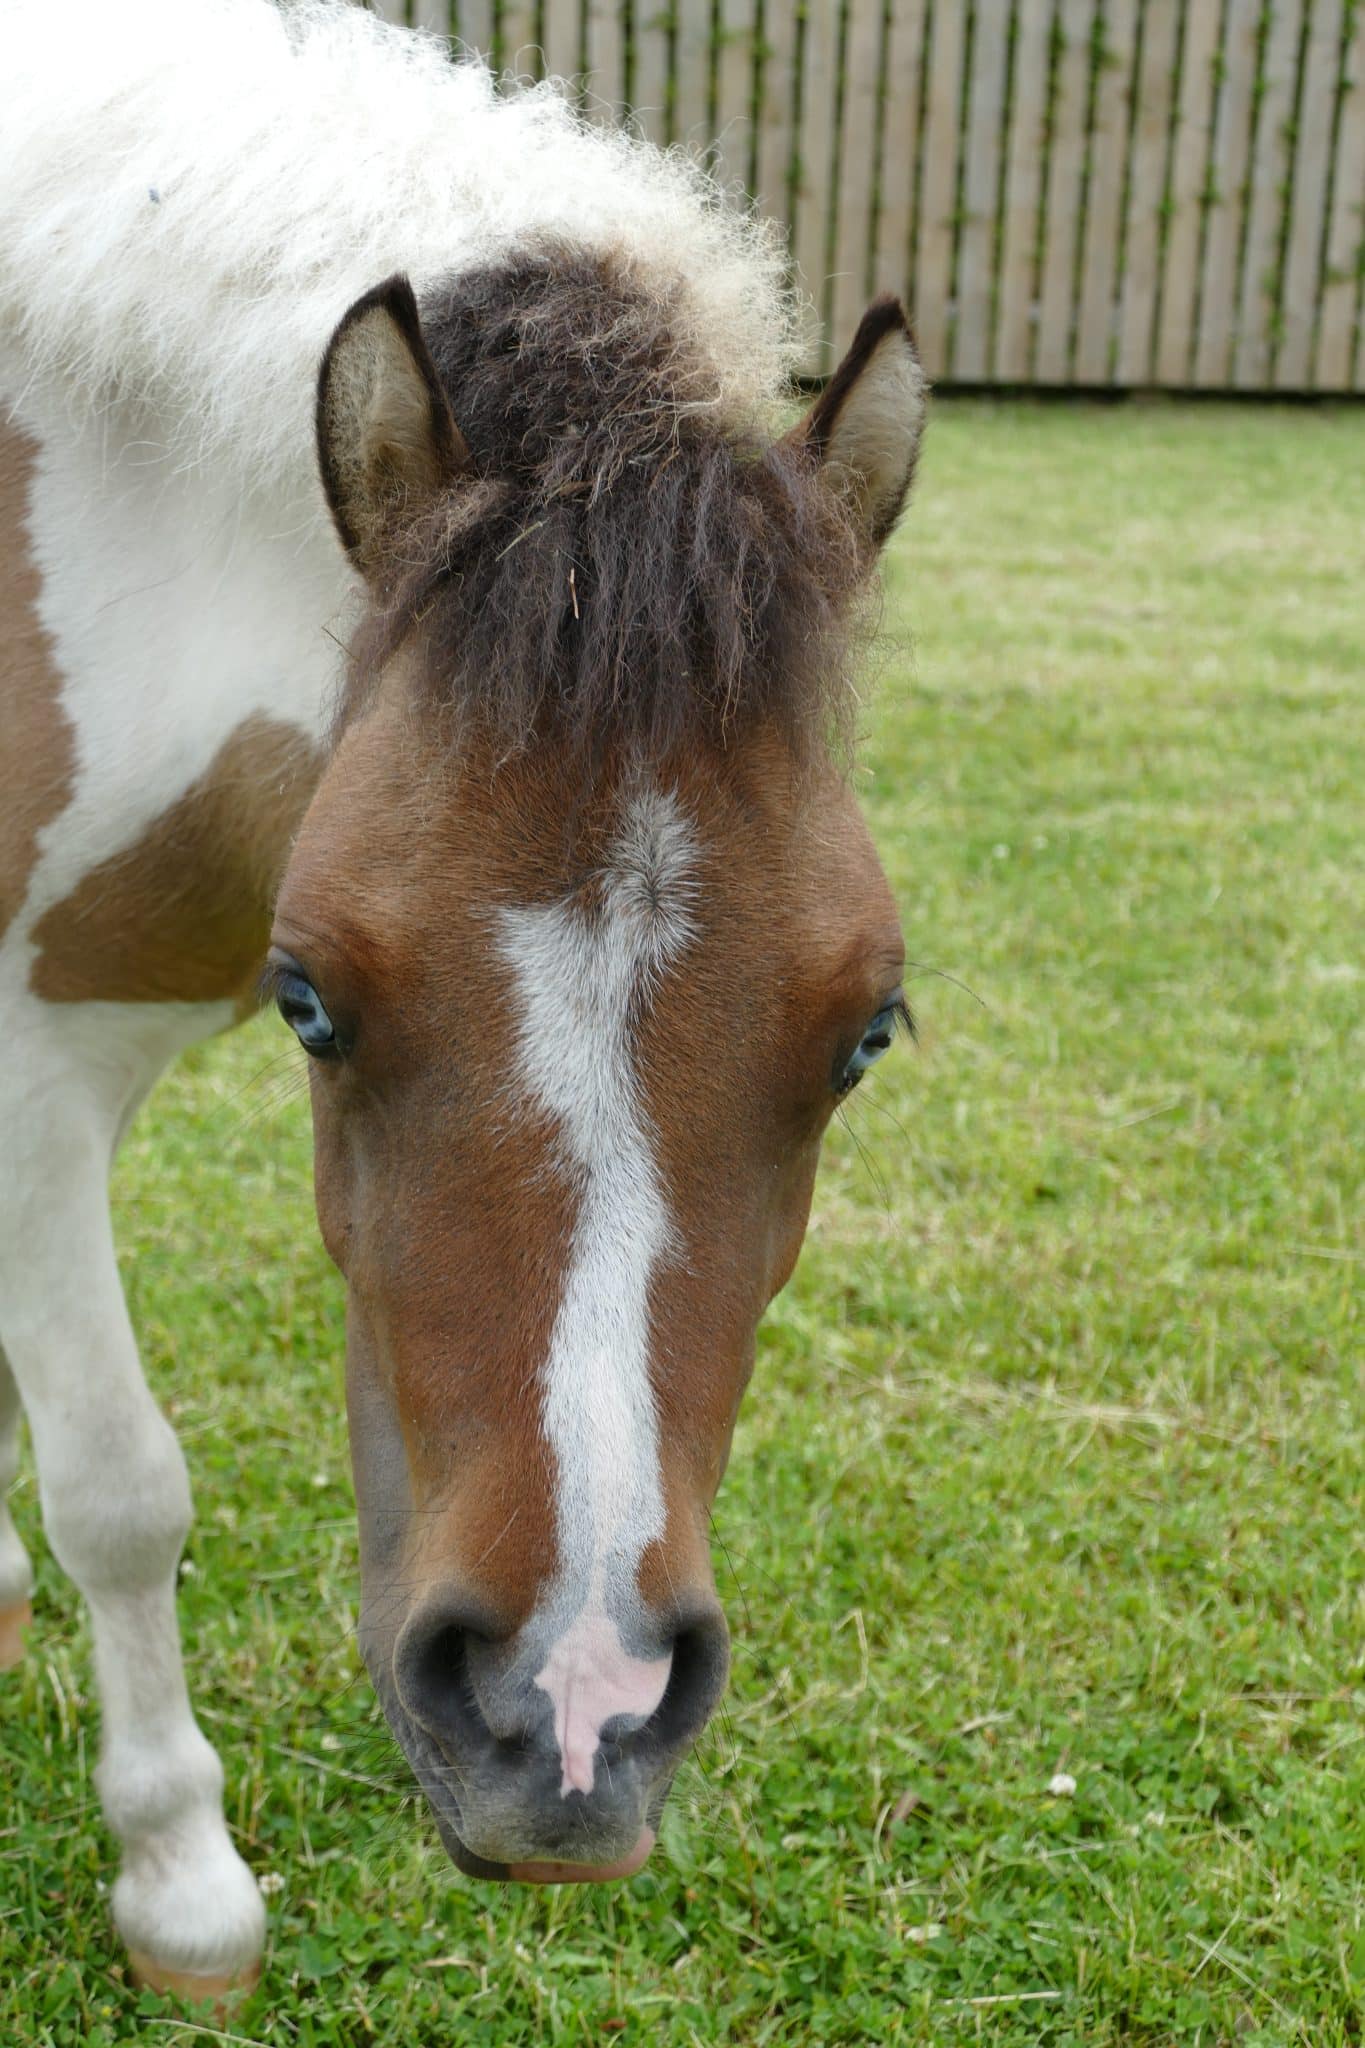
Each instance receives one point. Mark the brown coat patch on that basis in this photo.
(184, 915)
(37, 749)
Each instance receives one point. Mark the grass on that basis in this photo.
(1055, 1456)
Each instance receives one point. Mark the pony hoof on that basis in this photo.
(13, 1622)
(222, 1989)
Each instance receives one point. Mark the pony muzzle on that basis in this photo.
(551, 1763)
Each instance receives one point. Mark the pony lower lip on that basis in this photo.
(585, 1873)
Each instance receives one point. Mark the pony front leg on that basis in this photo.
(116, 1508)
(16, 1573)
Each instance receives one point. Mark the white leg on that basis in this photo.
(16, 1573)
(116, 1508)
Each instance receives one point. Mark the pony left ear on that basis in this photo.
(387, 440)
(865, 427)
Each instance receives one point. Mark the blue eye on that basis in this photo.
(300, 1005)
(874, 1042)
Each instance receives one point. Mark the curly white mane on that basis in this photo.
(192, 192)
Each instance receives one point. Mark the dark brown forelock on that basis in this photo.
(627, 564)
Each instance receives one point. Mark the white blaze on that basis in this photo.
(584, 972)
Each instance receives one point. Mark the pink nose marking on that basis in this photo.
(591, 1677)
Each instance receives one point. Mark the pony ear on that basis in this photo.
(865, 427)
(387, 440)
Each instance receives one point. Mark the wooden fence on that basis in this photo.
(1067, 192)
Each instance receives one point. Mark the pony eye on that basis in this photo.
(874, 1042)
(300, 1005)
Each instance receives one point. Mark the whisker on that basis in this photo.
(873, 1169)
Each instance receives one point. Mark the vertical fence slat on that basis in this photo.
(857, 168)
(816, 162)
(738, 22)
(1108, 159)
(938, 186)
(692, 72)
(559, 37)
(1228, 193)
(980, 190)
(776, 85)
(650, 26)
(1023, 190)
(518, 34)
(1066, 165)
(1265, 209)
(900, 140)
(473, 24)
(1147, 181)
(1345, 252)
(1189, 166)
(1313, 142)
(606, 51)
(432, 14)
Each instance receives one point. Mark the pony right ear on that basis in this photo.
(864, 429)
(387, 440)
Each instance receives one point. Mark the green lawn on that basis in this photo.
(1054, 1461)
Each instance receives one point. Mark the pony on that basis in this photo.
(311, 337)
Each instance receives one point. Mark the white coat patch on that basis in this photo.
(583, 974)
(194, 194)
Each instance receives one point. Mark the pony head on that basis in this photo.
(586, 939)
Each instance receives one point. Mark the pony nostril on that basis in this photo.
(431, 1670)
(696, 1680)
(610, 1701)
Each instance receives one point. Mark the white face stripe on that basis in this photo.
(582, 973)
